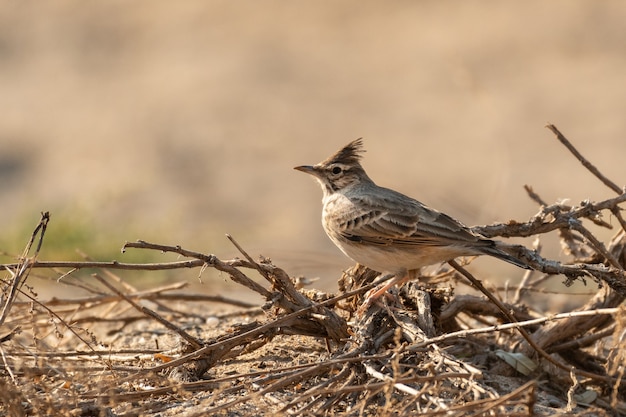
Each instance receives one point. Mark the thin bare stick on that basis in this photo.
(513, 325)
(523, 285)
(197, 344)
(584, 341)
(230, 267)
(584, 160)
(248, 257)
(597, 245)
(618, 215)
(111, 265)
(549, 218)
(23, 268)
(478, 285)
(149, 295)
(567, 236)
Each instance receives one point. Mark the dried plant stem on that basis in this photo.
(592, 168)
(478, 285)
(413, 352)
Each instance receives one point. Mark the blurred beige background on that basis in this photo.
(178, 122)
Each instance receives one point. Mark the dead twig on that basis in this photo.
(426, 351)
(592, 168)
(22, 269)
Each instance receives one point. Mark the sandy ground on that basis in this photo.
(180, 122)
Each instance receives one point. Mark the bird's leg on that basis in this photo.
(399, 277)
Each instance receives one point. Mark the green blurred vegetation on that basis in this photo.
(70, 238)
(64, 236)
(74, 232)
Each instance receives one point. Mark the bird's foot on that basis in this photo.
(374, 294)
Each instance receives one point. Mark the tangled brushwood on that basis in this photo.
(426, 348)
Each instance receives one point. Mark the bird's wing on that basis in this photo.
(394, 219)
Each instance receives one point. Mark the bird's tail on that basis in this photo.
(503, 251)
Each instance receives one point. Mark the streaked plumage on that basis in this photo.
(384, 229)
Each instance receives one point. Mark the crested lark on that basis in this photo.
(386, 230)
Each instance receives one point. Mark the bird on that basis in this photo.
(386, 230)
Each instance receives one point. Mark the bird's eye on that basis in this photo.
(336, 170)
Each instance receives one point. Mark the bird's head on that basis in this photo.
(341, 170)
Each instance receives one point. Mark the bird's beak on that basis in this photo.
(307, 169)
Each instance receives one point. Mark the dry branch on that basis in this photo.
(423, 350)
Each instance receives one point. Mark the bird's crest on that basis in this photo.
(349, 154)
